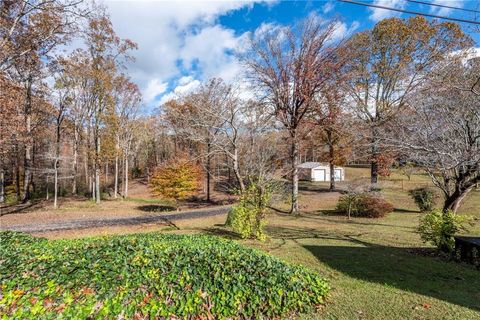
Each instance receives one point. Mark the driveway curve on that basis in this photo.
(167, 218)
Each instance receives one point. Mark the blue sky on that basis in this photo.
(182, 43)
(286, 12)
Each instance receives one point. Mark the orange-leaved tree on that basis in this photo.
(177, 179)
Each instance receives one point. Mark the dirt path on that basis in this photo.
(163, 218)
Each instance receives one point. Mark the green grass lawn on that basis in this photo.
(373, 270)
(377, 268)
(374, 265)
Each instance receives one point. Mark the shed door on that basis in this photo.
(338, 174)
(319, 174)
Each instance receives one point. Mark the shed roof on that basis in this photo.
(311, 165)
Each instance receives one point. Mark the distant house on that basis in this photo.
(318, 171)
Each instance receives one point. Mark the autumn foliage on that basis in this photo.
(177, 179)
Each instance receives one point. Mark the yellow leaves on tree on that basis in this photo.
(177, 179)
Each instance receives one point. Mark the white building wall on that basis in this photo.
(315, 174)
(320, 173)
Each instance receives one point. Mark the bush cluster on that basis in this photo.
(247, 217)
(438, 228)
(367, 205)
(177, 179)
(424, 198)
(149, 276)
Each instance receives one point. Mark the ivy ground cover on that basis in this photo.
(148, 276)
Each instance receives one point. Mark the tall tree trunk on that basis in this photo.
(55, 162)
(294, 159)
(229, 174)
(87, 175)
(97, 165)
(88, 160)
(97, 184)
(454, 201)
(135, 160)
(125, 191)
(236, 171)
(17, 172)
(122, 175)
(55, 190)
(75, 160)
(374, 159)
(2, 185)
(32, 182)
(332, 176)
(92, 186)
(115, 187)
(28, 144)
(208, 170)
(331, 151)
(47, 191)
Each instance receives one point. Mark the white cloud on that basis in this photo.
(184, 80)
(174, 38)
(379, 14)
(185, 85)
(445, 11)
(327, 7)
(342, 31)
(209, 50)
(154, 88)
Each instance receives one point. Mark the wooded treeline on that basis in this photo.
(406, 91)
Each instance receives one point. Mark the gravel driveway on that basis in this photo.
(167, 218)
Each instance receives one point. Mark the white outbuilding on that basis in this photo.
(318, 171)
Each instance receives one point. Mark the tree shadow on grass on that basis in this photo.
(294, 234)
(399, 268)
(280, 211)
(221, 231)
(20, 207)
(403, 210)
(334, 216)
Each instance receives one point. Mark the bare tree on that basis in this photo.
(387, 64)
(332, 124)
(62, 91)
(442, 130)
(206, 116)
(28, 72)
(106, 51)
(127, 102)
(36, 26)
(290, 66)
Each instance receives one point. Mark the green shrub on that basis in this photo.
(365, 205)
(136, 172)
(348, 204)
(438, 228)
(424, 198)
(149, 276)
(247, 217)
(10, 195)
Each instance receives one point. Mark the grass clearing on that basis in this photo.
(374, 268)
(377, 268)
